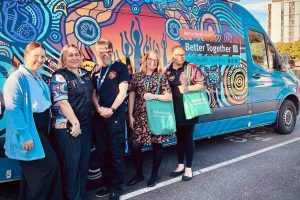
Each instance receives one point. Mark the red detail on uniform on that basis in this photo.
(112, 75)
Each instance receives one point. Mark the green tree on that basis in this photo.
(284, 48)
(295, 50)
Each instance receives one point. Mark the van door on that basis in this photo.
(265, 81)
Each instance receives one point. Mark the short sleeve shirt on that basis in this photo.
(178, 77)
(109, 90)
(80, 101)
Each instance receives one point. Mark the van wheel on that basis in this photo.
(286, 120)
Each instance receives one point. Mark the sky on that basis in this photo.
(259, 9)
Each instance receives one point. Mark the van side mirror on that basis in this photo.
(284, 62)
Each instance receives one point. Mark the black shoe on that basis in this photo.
(135, 180)
(114, 196)
(152, 181)
(187, 178)
(174, 174)
(102, 193)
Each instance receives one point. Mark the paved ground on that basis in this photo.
(254, 164)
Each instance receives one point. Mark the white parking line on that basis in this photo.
(207, 169)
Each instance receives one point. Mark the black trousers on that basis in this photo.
(74, 155)
(185, 144)
(157, 154)
(41, 178)
(110, 140)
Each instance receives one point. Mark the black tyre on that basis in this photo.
(286, 120)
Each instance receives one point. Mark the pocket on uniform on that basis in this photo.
(116, 126)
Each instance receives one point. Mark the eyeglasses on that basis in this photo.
(152, 60)
(103, 52)
(179, 55)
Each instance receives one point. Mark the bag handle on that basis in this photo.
(188, 74)
(158, 86)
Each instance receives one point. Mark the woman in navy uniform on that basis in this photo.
(72, 90)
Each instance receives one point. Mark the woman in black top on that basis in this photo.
(72, 89)
(177, 77)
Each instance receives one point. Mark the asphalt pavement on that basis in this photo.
(254, 164)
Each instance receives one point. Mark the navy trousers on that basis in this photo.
(73, 154)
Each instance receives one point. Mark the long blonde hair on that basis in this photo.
(143, 68)
(61, 63)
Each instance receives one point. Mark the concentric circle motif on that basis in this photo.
(235, 84)
(172, 28)
(87, 30)
(135, 9)
(55, 36)
(195, 10)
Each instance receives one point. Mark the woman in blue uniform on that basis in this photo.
(72, 90)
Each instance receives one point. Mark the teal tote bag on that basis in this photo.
(160, 115)
(195, 102)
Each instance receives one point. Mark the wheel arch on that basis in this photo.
(293, 98)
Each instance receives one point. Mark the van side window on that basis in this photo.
(258, 48)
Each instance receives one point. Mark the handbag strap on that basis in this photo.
(188, 74)
(158, 86)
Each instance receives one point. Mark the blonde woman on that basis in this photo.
(72, 89)
(143, 87)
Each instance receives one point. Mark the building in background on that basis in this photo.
(284, 20)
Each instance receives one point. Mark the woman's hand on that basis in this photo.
(183, 89)
(75, 130)
(28, 146)
(150, 96)
(131, 121)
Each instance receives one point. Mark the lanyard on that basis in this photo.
(99, 83)
(147, 81)
(38, 80)
(78, 76)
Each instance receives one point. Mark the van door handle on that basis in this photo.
(256, 76)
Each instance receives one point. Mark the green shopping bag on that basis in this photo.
(195, 102)
(160, 115)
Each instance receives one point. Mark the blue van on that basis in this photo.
(248, 85)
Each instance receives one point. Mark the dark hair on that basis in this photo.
(31, 46)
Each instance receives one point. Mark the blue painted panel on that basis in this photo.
(264, 118)
(9, 170)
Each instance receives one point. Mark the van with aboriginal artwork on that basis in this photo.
(248, 84)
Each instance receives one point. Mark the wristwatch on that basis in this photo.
(113, 109)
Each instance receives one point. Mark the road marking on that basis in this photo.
(207, 169)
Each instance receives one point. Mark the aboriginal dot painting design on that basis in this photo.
(211, 31)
